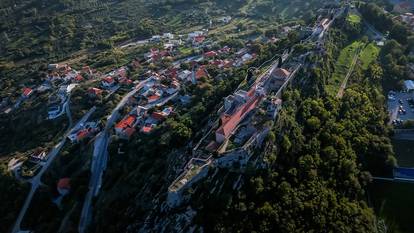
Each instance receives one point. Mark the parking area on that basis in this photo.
(401, 106)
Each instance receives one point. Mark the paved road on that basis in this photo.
(136, 43)
(100, 158)
(36, 180)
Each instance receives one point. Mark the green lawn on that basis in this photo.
(394, 202)
(404, 152)
(353, 18)
(342, 66)
(368, 55)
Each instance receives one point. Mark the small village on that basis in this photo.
(153, 97)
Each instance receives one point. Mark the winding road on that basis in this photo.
(100, 159)
(36, 180)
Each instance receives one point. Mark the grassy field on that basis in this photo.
(404, 152)
(368, 55)
(394, 202)
(353, 18)
(342, 66)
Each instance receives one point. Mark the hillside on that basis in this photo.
(197, 115)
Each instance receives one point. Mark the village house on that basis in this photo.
(85, 131)
(78, 78)
(224, 50)
(247, 57)
(94, 92)
(195, 34)
(198, 40)
(201, 72)
(278, 78)
(147, 128)
(108, 82)
(38, 156)
(27, 92)
(210, 54)
(184, 75)
(125, 81)
(126, 127)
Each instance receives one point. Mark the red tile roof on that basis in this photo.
(126, 123)
(79, 78)
(230, 122)
(201, 72)
(82, 134)
(210, 54)
(158, 116)
(147, 129)
(199, 39)
(109, 79)
(95, 91)
(281, 73)
(125, 81)
(27, 91)
(153, 97)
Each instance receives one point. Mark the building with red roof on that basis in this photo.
(126, 127)
(108, 82)
(235, 114)
(84, 133)
(198, 40)
(162, 115)
(63, 186)
(147, 128)
(278, 77)
(158, 116)
(94, 92)
(79, 78)
(27, 92)
(210, 54)
(125, 81)
(201, 72)
(172, 73)
(153, 98)
(87, 70)
(225, 49)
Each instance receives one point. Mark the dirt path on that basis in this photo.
(351, 69)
